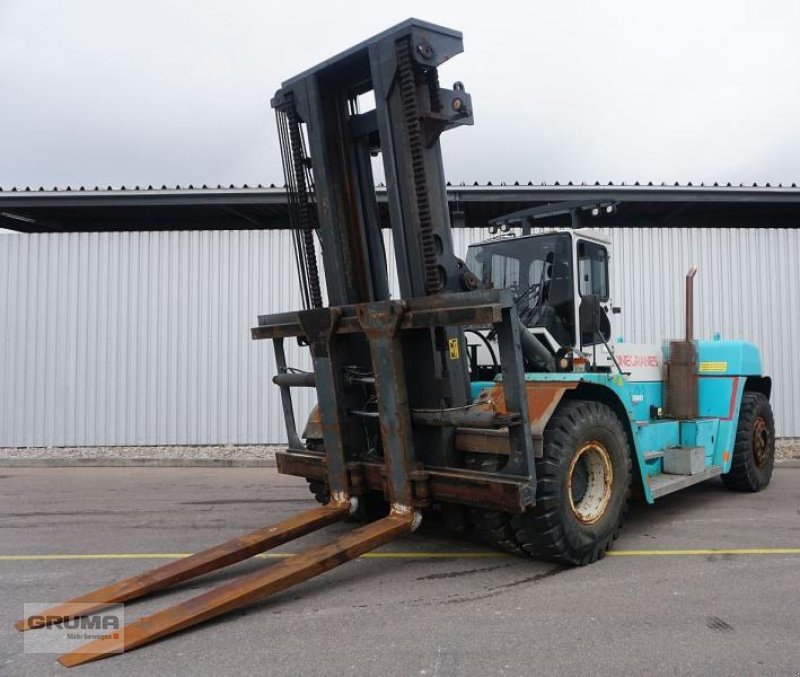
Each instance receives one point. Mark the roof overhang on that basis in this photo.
(261, 207)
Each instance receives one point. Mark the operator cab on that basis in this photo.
(560, 282)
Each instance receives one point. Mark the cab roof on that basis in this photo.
(585, 233)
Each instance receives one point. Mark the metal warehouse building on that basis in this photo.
(125, 314)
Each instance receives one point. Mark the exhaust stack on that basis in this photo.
(690, 304)
(681, 382)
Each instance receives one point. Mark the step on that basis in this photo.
(652, 455)
(684, 460)
(663, 484)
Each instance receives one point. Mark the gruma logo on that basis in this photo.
(96, 622)
(68, 631)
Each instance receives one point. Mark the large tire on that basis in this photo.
(754, 448)
(583, 486)
(491, 526)
(556, 528)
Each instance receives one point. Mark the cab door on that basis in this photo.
(592, 279)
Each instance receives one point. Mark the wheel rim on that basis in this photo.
(760, 442)
(589, 482)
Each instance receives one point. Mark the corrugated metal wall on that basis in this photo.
(143, 338)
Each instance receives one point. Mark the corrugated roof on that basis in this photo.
(260, 206)
(99, 189)
(462, 184)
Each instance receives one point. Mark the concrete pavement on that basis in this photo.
(431, 604)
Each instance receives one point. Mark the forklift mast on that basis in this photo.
(332, 186)
(409, 351)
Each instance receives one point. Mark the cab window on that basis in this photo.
(592, 269)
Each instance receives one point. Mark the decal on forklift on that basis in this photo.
(633, 361)
(713, 367)
(454, 351)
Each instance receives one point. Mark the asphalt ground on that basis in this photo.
(706, 582)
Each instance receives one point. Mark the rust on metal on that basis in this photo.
(441, 310)
(313, 429)
(451, 485)
(466, 418)
(483, 441)
(249, 588)
(681, 401)
(543, 398)
(690, 303)
(492, 491)
(380, 321)
(200, 563)
(301, 464)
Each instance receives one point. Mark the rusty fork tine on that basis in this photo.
(195, 565)
(249, 588)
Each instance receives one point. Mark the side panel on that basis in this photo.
(724, 367)
(633, 399)
(720, 399)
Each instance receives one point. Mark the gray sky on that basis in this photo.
(168, 92)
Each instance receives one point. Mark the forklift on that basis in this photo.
(490, 391)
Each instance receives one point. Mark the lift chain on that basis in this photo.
(301, 164)
(408, 94)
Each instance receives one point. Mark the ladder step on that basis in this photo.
(248, 589)
(663, 484)
(652, 455)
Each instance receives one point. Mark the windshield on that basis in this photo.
(538, 271)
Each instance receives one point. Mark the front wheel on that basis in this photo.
(583, 486)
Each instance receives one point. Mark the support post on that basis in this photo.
(319, 325)
(380, 323)
(286, 398)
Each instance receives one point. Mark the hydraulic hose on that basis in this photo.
(534, 351)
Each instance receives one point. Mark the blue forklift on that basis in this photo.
(487, 392)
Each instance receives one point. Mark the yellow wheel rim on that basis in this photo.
(589, 482)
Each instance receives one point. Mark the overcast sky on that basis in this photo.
(169, 92)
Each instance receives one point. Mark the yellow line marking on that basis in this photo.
(413, 554)
(705, 551)
(431, 555)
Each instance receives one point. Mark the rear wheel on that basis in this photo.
(754, 448)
